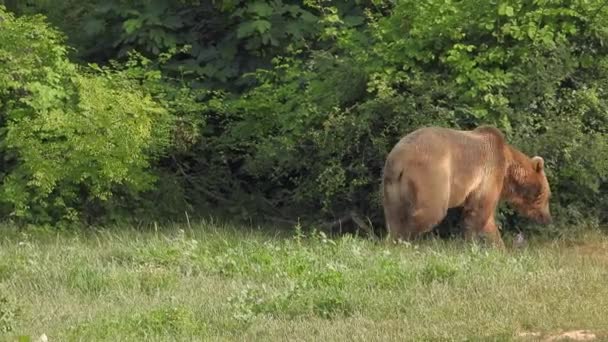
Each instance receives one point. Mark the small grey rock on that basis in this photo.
(519, 241)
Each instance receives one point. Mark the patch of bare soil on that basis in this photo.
(576, 335)
(573, 335)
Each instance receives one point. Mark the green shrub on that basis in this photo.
(71, 136)
(292, 127)
(313, 134)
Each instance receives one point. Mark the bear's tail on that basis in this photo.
(395, 200)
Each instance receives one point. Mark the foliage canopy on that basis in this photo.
(287, 108)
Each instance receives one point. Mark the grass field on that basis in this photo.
(215, 283)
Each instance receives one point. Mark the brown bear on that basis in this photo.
(433, 169)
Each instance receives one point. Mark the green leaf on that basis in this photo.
(308, 17)
(506, 10)
(132, 25)
(532, 31)
(247, 28)
(547, 37)
(262, 25)
(479, 113)
(260, 8)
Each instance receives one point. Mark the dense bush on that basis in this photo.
(314, 133)
(287, 109)
(71, 136)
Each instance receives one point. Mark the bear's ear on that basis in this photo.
(538, 163)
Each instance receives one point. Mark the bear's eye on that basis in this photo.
(542, 196)
(532, 192)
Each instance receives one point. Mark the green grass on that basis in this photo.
(218, 283)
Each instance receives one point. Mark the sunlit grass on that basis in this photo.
(222, 283)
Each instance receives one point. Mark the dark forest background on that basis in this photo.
(278, 111)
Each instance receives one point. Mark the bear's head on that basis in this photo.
(529, 190)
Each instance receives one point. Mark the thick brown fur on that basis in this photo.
(433, 169)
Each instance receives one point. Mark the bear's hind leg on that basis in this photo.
(431, 205)
(479, 220)
(409, 225)
(424, 220)
(396, 220)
